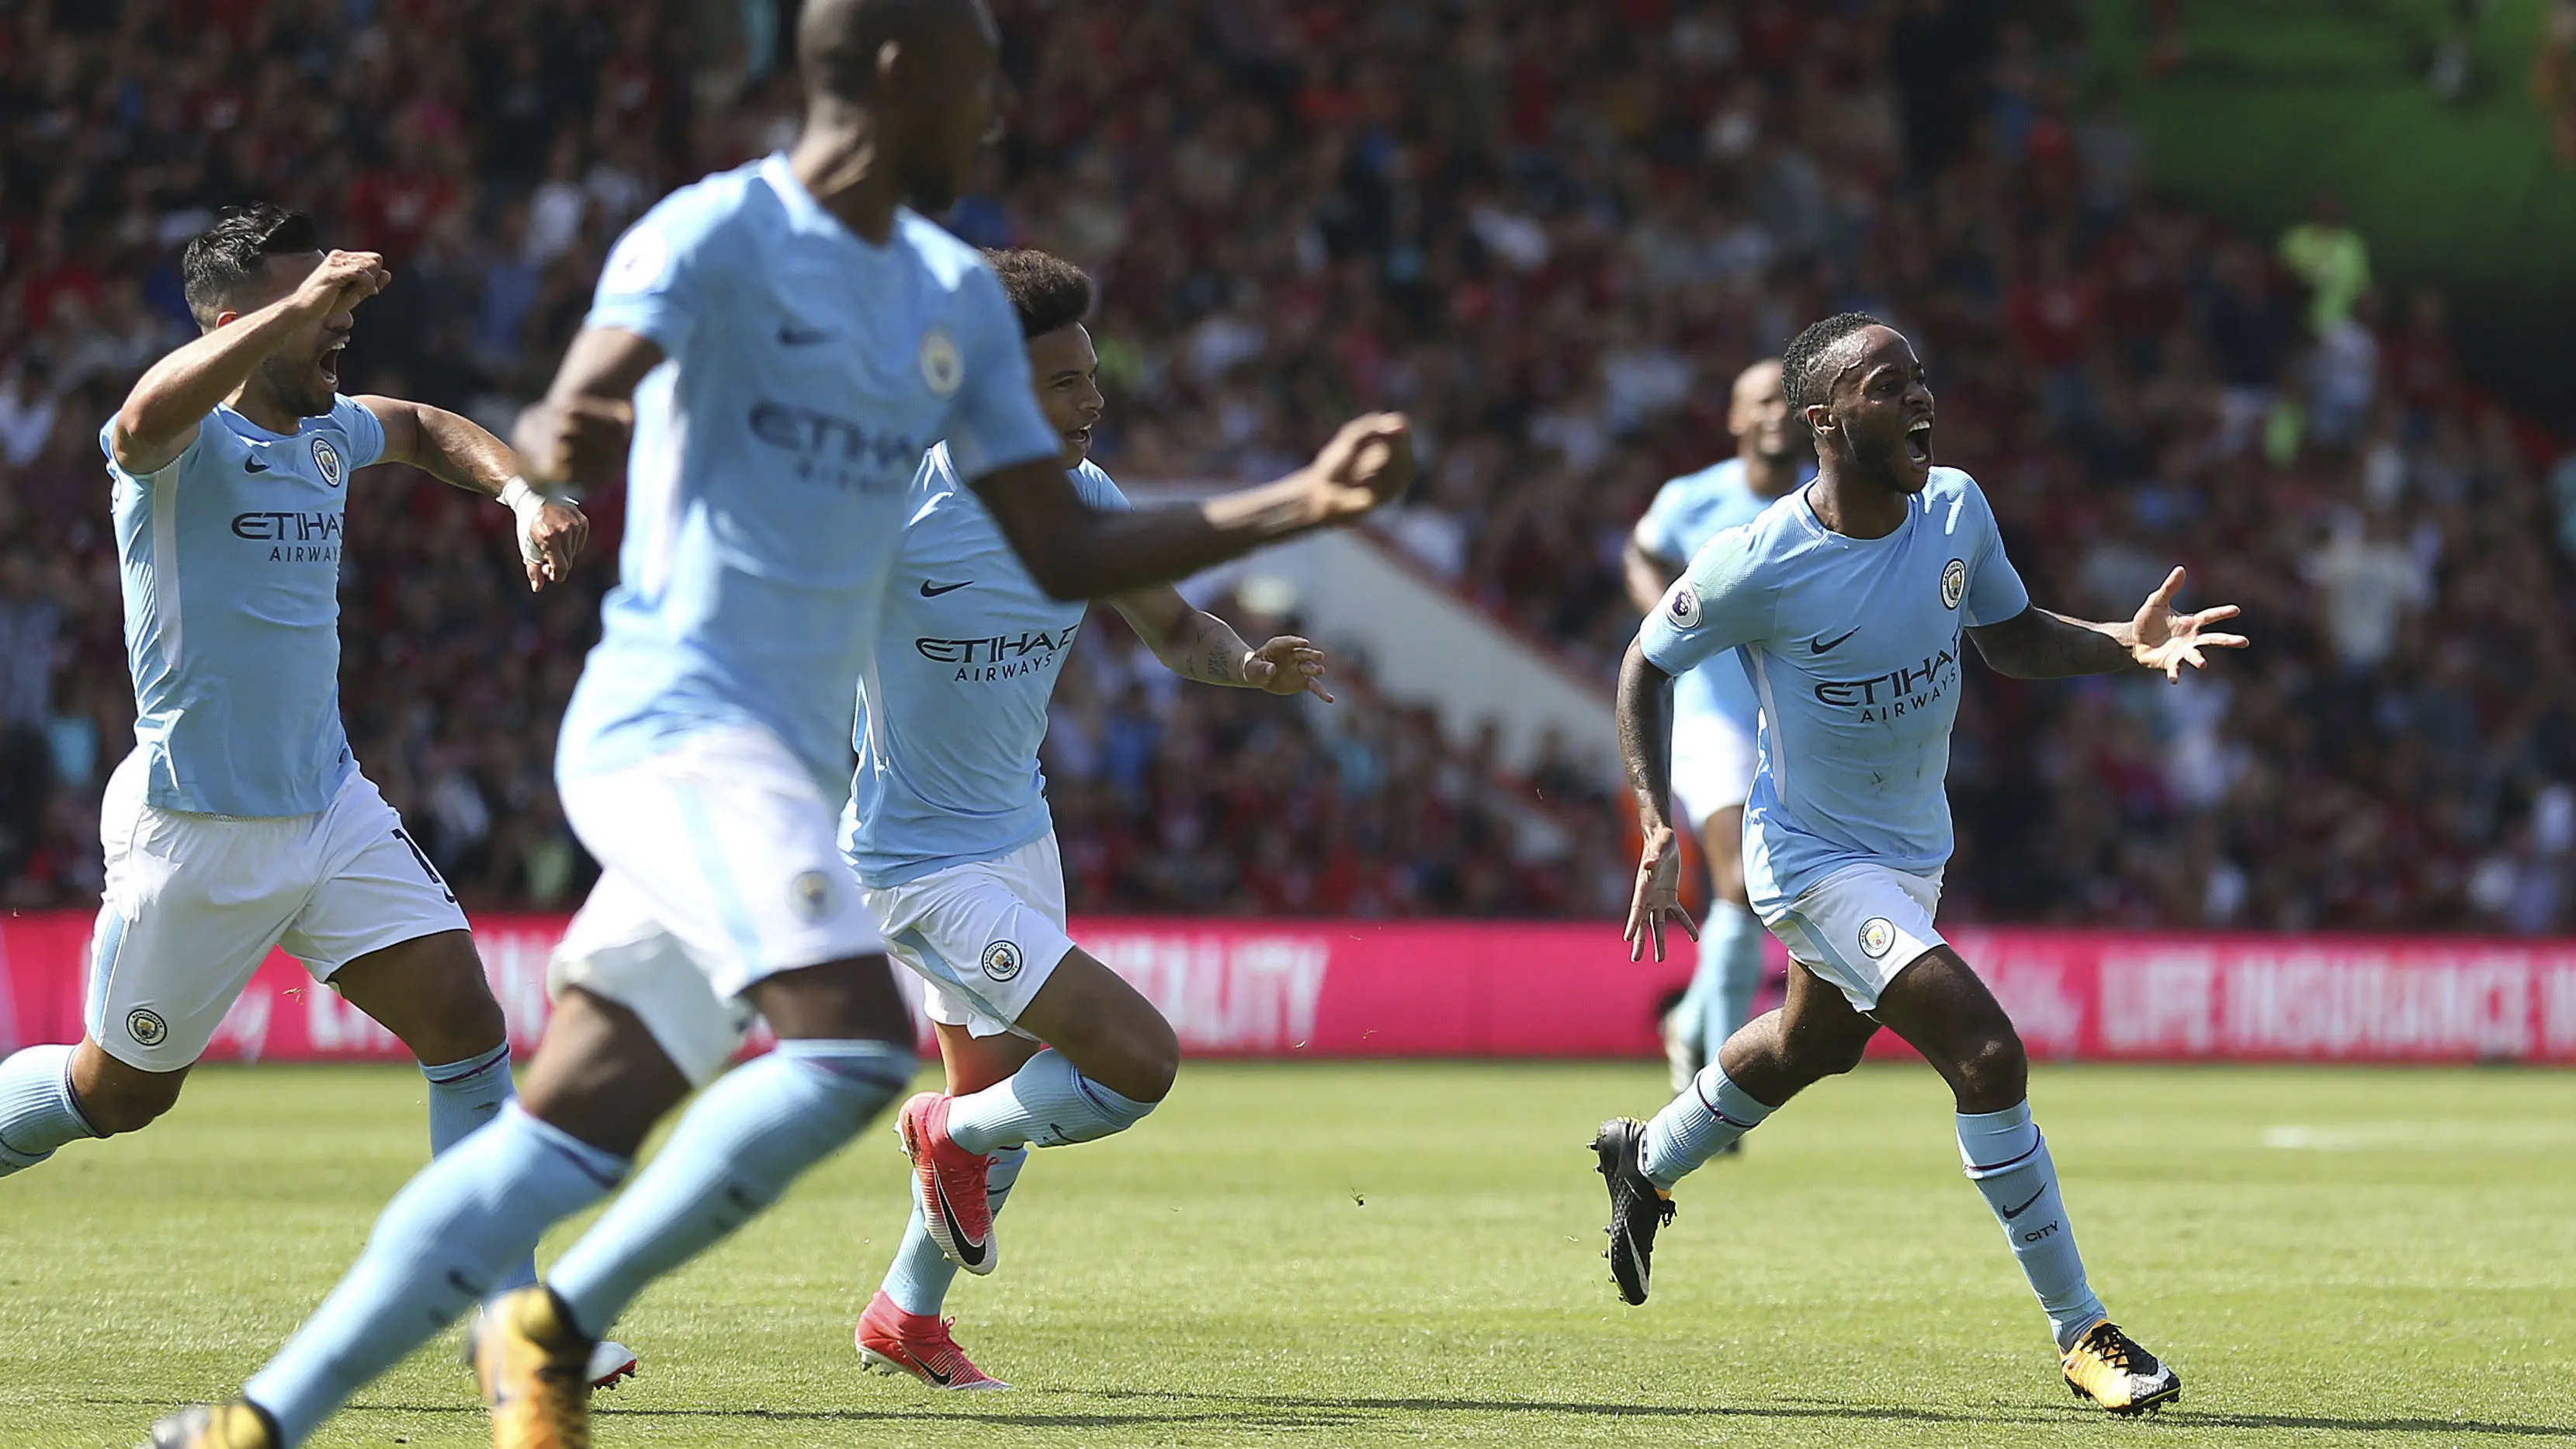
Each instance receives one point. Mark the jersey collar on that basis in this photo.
(809, 214)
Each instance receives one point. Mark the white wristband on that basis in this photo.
(524, 501)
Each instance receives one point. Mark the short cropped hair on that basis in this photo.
(1803, 375)
(1046, 291)
(235, 249)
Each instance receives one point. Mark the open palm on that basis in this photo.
(2161, 639)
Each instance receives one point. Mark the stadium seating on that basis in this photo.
(1549, 231)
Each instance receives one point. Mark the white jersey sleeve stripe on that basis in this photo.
(165, 564)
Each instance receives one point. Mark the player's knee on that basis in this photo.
(1147, 1059)
(1994, 1069)
(126, 1105)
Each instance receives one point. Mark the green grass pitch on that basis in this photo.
(1410, 1254)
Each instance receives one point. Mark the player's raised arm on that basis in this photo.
(2040, 644)
(1075, 551)
(160, 416)
(1197, 645)
(458, 452)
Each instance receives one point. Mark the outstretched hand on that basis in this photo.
(2161, 639)
(1368, 462)
(1287, 665)
(1659, 895)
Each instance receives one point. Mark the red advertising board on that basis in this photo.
(1550, 989)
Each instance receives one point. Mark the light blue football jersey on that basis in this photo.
(230, 561)
(1686, 512)
(1854, 646)
(806, 371)
(954, 703)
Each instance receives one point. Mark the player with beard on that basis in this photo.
(241, 821)
(955, 852)
(769, 353)
(1849, 601)
(1714, 711)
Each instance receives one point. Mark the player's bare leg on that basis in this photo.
(1944, 1011)
(1814, 1034)
(841, 1030)
(1110, 1060)
(902, 1330)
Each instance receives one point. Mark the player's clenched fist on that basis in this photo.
(342, 281)
(574, 439)
(1368, 462)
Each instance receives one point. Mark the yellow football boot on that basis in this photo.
(214, 1426)
(2106, 1366)
(532, 1366)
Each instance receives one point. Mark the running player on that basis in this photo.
(948, 830)
(241, 820)
(780, 343)
(1714, 712)
(1848, 600)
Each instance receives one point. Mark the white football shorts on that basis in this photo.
(1860, 926)
(719, 868)
(982, 937)
(1713, 763)
(193, 903)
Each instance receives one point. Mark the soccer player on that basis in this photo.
(780, 344)
(241, 820)
(949, 833)
(1714, 711)
(1848, 601)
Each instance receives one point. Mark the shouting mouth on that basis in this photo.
(1918, 443)
(329, 364)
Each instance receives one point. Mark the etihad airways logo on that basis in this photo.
(1888, 696)
(294, 537)
(999, 656)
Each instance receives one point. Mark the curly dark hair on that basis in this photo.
(1047, 291)
(1802, 374)
(232, 251)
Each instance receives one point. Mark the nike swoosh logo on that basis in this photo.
(930, 590)
(790, 335)
(1827, 646)
(940, 1376)
(956, 1233)
(2012, 1213)
(254, 466)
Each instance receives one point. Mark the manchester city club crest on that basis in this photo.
(146, 1027)
(812, 891)
(1002, 960)
(1954, 582)
(1877, 936)
(942, 366)
(327, 458)
(1684, 606)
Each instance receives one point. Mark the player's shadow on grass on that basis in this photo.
(1826, 1409)
(1287, 1412)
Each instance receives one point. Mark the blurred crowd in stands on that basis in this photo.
(1551, 232)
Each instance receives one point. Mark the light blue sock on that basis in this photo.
(918, 1278)
(1730, 965)
(444, 1243)
(463, 1096)
(737, 1148)
(1696, 1125)
(37, 1113)
(1046, 1103)
(2008, 1161)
